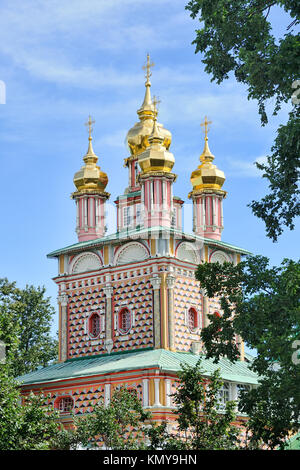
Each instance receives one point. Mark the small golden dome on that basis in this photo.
(90, 178)
(207, 175)
(156, 158)
(137, 136)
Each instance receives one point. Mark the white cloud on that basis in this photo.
(242, 168)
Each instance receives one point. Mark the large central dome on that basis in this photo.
(137, 136)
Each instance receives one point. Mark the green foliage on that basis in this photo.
(121, 425)
(125, 425)
(261, 304)
(202, 423)
(236, 37)
(281, 206)
(25, 323)
(30, 426)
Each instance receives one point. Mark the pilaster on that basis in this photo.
(108, 291)
(156, 282)
(63, 326)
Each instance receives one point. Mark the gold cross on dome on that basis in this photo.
(147, 67)
(156, 101)
(205, 124)
(89, 125)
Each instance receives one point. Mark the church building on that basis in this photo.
(130, 308)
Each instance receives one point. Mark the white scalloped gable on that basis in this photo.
(186, 252)
(219, 257)
(130, 253)
(86, 262)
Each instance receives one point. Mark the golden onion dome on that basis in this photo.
(137, 136)
(207, 175)
(90, 178)
(156, 158)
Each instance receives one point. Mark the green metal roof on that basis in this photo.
(138, 233)
(167, 361)
(293, 443)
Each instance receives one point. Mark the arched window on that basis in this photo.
(192, 318)
(95, 325)
(223, 395)
(65, 404)
(124, 323)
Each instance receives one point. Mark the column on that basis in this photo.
(168, 393)
(63, 326)
(145, 385)
(108, 291)
(205, 308)
(106, 394)
(171, 319)
(156, 393)
(156, 281)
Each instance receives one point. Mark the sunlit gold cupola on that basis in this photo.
(90, 178)
(207, 175)
(207, 194)
(90, 196)
(137, 136)
(156, 158)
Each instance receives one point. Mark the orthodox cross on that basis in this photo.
(147, 68)
(156, 101)
(89, 125)
(205, 124)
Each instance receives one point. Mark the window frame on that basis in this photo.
(121, 330)
(65, 409)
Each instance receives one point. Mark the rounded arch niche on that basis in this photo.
(86, 262)
(130, 253)
(219, 257)
(187, 252)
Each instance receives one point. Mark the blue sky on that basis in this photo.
(63, 60)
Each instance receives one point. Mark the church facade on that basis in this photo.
(130, 308)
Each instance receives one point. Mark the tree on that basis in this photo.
(25, 324)
(236, 37)
(203, 424)
(261, 304)
(120, 425)
(28, 426)
(125, 425)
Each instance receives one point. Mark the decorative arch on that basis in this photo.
(94, 325)
(131, 252)
(124, 320)
(192, 319)
(64, 404)
(86, 262)
(219, 256)
(186, 252)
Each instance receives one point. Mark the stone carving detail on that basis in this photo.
(86, 262)
(186, 252)
(219, 257)
(130, 253)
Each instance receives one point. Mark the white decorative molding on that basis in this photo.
(196, 347)
(63, 300)
(131, 252)
(219, 257)
(145, 385)
(86, 262)
(108, 291)
(108, 345)
(155, 281)
(170, 281)
(106, 394)
(187, 252)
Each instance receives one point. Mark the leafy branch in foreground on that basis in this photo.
(237, 37)
(262, 305)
